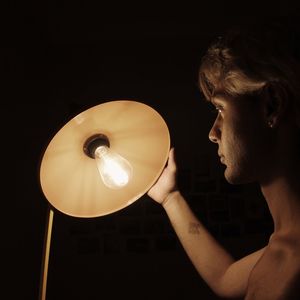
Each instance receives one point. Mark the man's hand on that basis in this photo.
(166, 183)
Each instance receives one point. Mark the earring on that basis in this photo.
(270, 124)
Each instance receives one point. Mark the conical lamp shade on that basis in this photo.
(69, 177)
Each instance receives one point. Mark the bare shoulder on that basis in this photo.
(277, 273)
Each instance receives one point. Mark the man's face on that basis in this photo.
(241, 134)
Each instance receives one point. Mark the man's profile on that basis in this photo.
(252, 77)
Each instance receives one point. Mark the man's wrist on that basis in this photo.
(170, 198)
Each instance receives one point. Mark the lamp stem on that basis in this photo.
(46, 252)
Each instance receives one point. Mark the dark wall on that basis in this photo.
(65, 60)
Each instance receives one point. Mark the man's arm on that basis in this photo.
(215, 265)
(226, 277)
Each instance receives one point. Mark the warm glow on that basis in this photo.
(114, 169)
(69, 173)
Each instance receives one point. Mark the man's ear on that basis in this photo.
(275, 102)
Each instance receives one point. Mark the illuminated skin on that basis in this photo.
(253, 152)
(243, 140)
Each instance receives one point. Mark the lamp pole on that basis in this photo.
(46, 254)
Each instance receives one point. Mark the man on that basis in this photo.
(252, 78)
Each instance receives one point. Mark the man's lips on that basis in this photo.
(222, 158)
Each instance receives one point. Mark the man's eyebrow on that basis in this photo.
(218, 97)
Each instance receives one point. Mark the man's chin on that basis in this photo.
(235, 178)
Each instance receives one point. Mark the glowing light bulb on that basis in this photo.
(114, 169)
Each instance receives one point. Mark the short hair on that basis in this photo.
(250, 57)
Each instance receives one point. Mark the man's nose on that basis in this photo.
(215, 133)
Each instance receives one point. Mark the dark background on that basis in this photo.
(62, 58)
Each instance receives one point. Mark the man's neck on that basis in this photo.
(282, 194)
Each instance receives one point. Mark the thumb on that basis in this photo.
(171, 161)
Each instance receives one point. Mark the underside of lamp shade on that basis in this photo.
(69, 178)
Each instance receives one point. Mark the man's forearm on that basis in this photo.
(209, 258)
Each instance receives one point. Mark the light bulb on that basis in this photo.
(114, 169)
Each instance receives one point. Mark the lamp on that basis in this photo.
(101, 161)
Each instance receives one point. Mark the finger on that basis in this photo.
(171, 161)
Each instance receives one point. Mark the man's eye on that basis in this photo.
(219, 108)
(216, 109)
